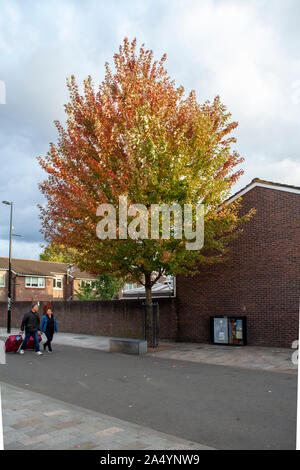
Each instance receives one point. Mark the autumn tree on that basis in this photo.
(139, 136)
(103, 288)
(58, 253)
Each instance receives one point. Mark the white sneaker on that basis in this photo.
(22, 351)
(39, 353)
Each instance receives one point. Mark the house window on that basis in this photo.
(57, 283)
(37, 282)
(2, 280)
(89, 283)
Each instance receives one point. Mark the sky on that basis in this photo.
(246, 51)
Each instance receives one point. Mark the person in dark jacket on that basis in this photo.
(31, 325)
(49, 327)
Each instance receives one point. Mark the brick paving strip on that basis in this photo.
(245, 357)
(55, 425)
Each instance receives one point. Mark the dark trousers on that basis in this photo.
(35, 337)
(49, 337)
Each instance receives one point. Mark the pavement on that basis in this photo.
(35, 422)
(249, 357)
(217, 406)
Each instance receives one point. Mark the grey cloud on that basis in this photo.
(42, 43)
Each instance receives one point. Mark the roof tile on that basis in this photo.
(42, 268)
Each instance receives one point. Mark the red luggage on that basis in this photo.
(30, 342)
(13, 343)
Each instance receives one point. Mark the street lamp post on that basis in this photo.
(9, 269)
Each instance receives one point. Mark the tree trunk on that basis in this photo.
(149, 310)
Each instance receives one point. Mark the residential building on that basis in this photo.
(259, 280)
(41, 280)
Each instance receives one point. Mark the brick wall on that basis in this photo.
(260, 279)
(31, 293)
(3, 290)
(21, 292)
(76, 287)
(108, 317)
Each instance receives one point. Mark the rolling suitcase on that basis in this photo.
(30, 342)
(13, 343)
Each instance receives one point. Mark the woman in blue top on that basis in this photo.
(49, 327)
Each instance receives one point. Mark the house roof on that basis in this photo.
(28, 267)
(160, 289)
(265, 184)
(77, 274)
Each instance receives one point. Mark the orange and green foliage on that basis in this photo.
(58, 253)
(138, 135)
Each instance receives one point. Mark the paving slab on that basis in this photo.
(247, 357)
(99, 433)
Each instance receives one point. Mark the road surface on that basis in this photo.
(218, 406)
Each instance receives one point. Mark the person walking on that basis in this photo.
(49, 327)
(31, 325)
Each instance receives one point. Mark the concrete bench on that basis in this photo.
(128, 345)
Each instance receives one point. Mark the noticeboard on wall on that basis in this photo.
(228, 330)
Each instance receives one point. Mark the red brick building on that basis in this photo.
(41, 280)
(259, 280)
